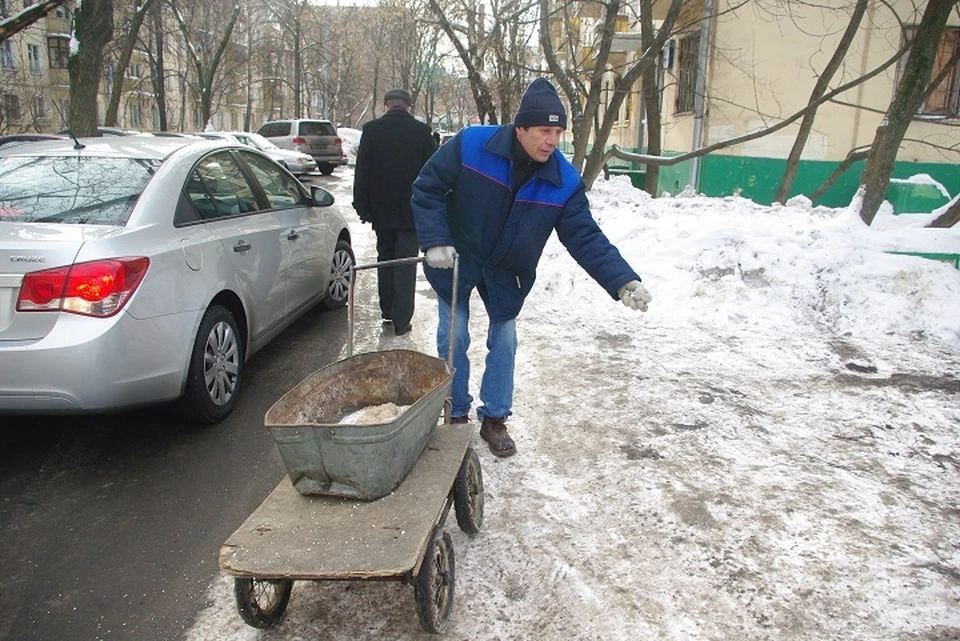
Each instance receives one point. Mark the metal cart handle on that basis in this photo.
(394, 263)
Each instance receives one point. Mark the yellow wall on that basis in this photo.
(763, 66)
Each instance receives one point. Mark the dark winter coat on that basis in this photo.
(392, 150)
(463, 198)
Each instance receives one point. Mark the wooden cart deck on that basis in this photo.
(294, 536)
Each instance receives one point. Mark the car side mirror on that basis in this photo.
(321, 197)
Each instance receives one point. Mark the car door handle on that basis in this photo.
(242, 246)
(293, 235)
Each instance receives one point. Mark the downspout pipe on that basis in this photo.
(700, 89)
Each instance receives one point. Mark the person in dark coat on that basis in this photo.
(392, 150)
(492, 196)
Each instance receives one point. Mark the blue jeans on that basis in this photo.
(496, 387)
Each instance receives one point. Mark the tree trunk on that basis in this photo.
(297, 72)
(793, 159)
(852, 156)
(93, 30)
(248, 105)
(906, 101)
(160, 69)
(948, 218)
(651, 102)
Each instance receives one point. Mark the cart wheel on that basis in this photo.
(262, 602)
(434, 587)
(468, 493)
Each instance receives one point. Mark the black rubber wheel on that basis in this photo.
(343, 260)
(216, 369)
(468, 494)
(325, 168)
(433, 589)
(262, 602)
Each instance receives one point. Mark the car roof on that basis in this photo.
(150, 147)
(297, 120)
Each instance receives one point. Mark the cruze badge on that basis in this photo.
(27, 259)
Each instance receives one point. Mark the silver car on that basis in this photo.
(315, 137)
(139, 270)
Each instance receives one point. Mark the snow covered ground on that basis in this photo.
(771, 452)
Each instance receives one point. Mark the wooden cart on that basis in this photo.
(295, 537)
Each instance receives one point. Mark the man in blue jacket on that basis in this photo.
(492, 196)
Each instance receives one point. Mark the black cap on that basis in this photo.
(397, 94)
(540, 105)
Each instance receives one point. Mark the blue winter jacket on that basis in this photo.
(463, 198)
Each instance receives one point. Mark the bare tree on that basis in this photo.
(205, 49)
(823, 81)
(130, 39)
(500, 41)
(592, 115)
(907, 99)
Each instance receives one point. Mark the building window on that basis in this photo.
(11, 107)
(58, 50)
(40, 105)
(133, 70)
(945, 99)
(135, 113)
(63, 12)
(6, 55)
(688, 50)
(33, 55)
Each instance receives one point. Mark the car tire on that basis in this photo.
(325, 168)
(216, 369)
(339, 285)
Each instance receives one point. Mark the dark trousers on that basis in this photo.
(397, 285)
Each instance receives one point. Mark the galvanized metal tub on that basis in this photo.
(365, 461)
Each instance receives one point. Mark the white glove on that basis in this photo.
(634, 295)
(441, 257)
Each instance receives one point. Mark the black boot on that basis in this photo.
(494, 432)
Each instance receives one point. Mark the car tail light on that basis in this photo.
(299, 140)
(98, 288)
(339, 142)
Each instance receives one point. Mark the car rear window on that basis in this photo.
(317, 128)
(75, 189)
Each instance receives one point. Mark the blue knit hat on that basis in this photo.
(540, 107)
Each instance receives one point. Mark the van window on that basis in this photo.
(274, 129)
(316, 128)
